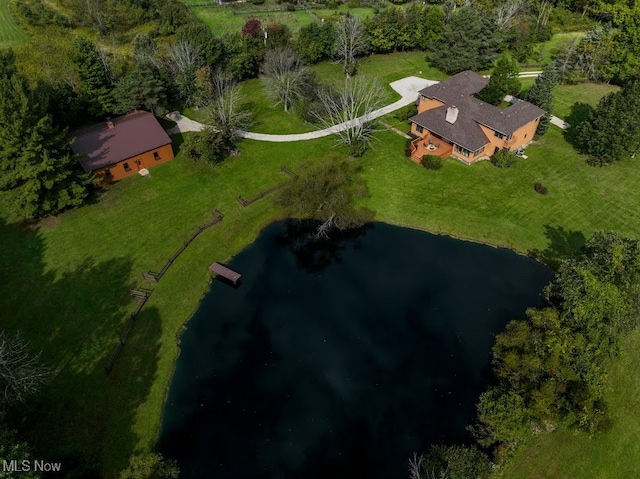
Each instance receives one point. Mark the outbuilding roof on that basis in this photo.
(131, 135)
(458, 91)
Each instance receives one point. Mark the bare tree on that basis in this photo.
(350, 41)
(415, 465)
(507, 13)
(21, 373)
(284, 76)
(348, 111)
(226, 105)
(183, 59)
(543, 14)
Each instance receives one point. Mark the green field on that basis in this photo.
(221, 20)
(547, 51)
(10, 33)
(590, 93)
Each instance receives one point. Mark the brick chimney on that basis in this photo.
(452, 114)
(110, 124)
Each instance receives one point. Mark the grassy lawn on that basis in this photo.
(221, 20)
(10, 33)
(500, 206)
(546, 51)
(567, 95)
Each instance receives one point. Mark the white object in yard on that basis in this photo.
(144, 172)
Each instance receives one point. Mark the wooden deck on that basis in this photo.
(225, 272)
(422, 146)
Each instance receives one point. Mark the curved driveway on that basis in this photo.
(407, 87)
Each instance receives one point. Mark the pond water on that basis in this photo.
(339, 359)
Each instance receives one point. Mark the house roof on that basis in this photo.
(132, 135)
(457, 91)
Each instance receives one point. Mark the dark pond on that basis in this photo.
(342, 359)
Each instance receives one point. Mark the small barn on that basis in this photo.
(123, 146)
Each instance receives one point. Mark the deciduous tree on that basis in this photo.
(150, 466)
(327, 190)
(350, 42)
(352, 104)
(316, 42)
(284, 76)
(21, 372)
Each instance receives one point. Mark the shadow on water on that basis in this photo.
(81, 417)
(314, 254)
(562, 244)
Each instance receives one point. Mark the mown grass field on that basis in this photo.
(10, 33)
(590, 93)
(546, 51)
(222, 20)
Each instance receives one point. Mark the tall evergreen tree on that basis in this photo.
(140, 88)
(504, 79)
(612, 131)
(93, 75)
(541, 94)
(470, 41)
(37, 172)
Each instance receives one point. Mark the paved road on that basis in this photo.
(407, 87)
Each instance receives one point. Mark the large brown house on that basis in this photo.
(452, 122)
(123, 146)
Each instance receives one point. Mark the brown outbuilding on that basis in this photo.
(123, 146)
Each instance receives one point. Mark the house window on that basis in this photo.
(462, 151)
(156, 155)
(107, 173)
(126, 167)
(525, 135)
(478, 151)
(498, 134)
(419, 129)
(509, 137)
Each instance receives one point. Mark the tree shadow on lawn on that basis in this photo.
(579, 113)
(562, 244)
(82, 417)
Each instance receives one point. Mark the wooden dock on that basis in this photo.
(225, 272)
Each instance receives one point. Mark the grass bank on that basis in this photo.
(10, 33)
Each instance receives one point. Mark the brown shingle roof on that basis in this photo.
(132, 135)
(457, 91)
